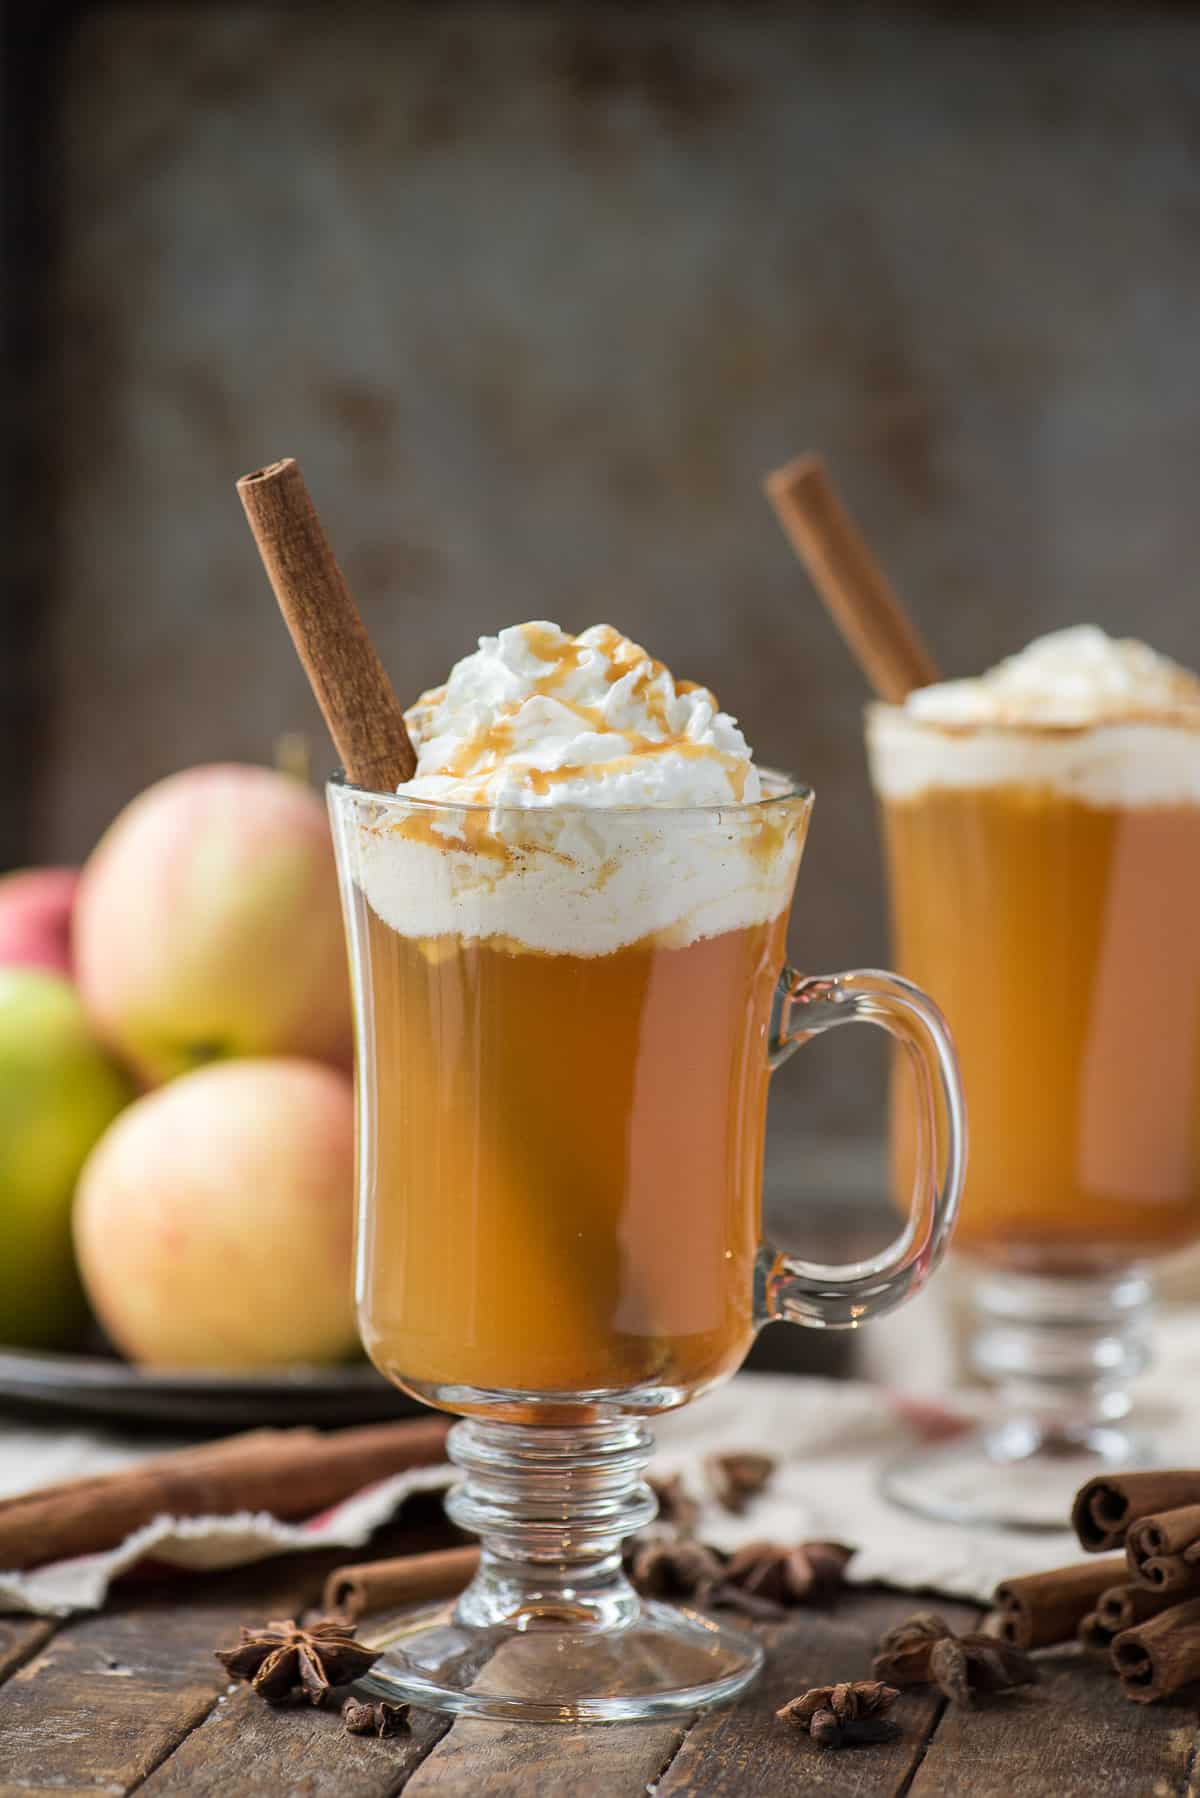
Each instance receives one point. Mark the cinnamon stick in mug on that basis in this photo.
(1105, 1507)
(1041, 1608)
(867, 610)
(1159, 1657)
(1162, 1550)
(357, 1590)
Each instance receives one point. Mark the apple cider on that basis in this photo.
(1042, 830)
(566, 1160)
(1063, 941)
(565, 933)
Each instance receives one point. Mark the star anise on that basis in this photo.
(677, 1509)
(925, 1650)
(281, 1661)
(836, 1716)
(735, 1478)
(686, 1569)
(765, 1579)
(381, 1719)
(903, 1651)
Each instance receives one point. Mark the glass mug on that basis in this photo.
(560, 1145)
(1046, 882)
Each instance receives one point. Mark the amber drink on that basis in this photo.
(567, 1151)
(1042, 832)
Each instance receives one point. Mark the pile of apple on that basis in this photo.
(176, 1109)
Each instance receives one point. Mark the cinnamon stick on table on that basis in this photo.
(1042, 1608)
(1157, 1658)
(1105, 1507)
(1118, 1610)
(357, 1590)
(292, 1474)
(1163, 1550)
(860, 599)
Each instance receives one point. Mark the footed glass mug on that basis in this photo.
(566, 1020)
(1046, 882)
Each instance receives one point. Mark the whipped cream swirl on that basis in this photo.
(582, 800)
(536, 717)
(1066, 680)
(1102, 720)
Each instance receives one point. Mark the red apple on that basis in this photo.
(207, 925)
(214, 1219)
(35, 918)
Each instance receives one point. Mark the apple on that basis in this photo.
(59, 1090)
(35, 918)
(214, 1220)
(207, 925)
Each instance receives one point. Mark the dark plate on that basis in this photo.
(100, 1386)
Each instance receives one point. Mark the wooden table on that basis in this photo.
(132, 1700)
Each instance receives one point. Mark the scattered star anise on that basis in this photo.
(381, 1719)
(283, 1662)
(677, 1509)
(836, 1716)
(925, 1650)
(765, 1579)
(735, 1478)
(667, 1569)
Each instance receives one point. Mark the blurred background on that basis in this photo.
(537, 293)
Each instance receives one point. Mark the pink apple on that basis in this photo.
(35, 918)
(214, 1219)
(207, 925)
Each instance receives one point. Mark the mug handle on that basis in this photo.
(840, 1297)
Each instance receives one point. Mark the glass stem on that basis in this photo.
(551, 1507)
(1062, 1352)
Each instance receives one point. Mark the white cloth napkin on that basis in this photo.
(830, 1437)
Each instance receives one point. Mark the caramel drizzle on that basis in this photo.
(484, 752)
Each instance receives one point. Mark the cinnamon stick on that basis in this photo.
(1095, 1638)
(293, 1475)
(1160, 1656)
(200, 1454)
(1105, 1507)
(1118, 1610)
(357, 1590)
(1126, 1605)
(1041, 1608)
(364, 716)
(1162, 1550)
(861, 600)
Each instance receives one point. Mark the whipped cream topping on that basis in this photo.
(584, 800)
(536, 717)
(1106, 721)
(1066, 680)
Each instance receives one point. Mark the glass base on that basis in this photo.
(663, 1661)
(551, 1630)
(1018, 1475)
(1061, 1352)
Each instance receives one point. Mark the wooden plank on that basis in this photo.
(497, 1759)
(1071, 1736)
(108, 1698)
(246, 1746)
(744, 1752)
(20, 1638)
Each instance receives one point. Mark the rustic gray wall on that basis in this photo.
(537, 293)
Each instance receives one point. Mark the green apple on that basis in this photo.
(59, 1091)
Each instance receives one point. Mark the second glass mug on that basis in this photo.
(564, 1038)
